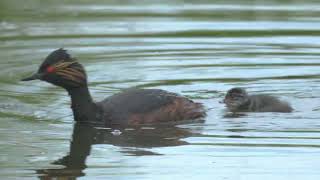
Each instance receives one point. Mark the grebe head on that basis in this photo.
(60, 69)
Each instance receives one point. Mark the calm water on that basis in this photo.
(198, 49)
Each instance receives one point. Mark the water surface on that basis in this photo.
(197, 49)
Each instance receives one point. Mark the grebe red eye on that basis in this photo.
(50, 69)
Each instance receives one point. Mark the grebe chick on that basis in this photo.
(238, 100)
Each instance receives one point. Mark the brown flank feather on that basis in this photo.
(178, 111)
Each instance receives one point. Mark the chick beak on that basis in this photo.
(222, 101)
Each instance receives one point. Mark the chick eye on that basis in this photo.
(50, 69)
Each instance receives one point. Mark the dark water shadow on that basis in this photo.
(234, 115)
(132, 141)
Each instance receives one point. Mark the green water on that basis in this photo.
(199, 49)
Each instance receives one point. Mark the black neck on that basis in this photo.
(83, 107)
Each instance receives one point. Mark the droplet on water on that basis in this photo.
(116, 132)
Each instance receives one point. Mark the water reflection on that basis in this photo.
(132, 140)
(234, 114)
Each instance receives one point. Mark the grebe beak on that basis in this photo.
(32, 77)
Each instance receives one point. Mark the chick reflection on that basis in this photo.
(85, 135)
